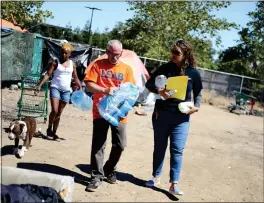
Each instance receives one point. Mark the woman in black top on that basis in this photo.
(167, 119)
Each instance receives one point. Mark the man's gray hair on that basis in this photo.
(112, 42)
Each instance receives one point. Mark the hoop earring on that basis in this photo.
(186, 63)
(182, 71)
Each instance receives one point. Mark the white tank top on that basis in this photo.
(62, 77)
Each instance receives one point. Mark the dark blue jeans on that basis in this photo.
(176, 126)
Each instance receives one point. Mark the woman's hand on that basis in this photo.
(164, 93)
(80, 86)
(37, 89)
(193, 109)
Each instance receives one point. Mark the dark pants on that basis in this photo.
(100, 129)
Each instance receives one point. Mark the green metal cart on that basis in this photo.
(242, 103)
(31, 104)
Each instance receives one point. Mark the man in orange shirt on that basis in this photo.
(102, 79)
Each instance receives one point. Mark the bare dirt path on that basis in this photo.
(223, 159)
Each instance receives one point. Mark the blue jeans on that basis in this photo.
(60, 94)
(176, 126)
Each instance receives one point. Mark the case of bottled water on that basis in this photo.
(114, 107)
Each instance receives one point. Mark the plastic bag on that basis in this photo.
(81, 100)
(184, 107)
(114, 107)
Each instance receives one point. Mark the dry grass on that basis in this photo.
(212, 98)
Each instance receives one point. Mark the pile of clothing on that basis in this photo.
(29, 193)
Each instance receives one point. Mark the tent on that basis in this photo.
(7, 24)
(129, 57)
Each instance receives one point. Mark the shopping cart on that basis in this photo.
(31, 104)
(242, 103)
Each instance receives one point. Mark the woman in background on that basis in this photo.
(62, 69)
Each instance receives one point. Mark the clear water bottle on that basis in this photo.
(160, 83)
(81, 100)
(114, 121)
(125, 108)
(114, 107)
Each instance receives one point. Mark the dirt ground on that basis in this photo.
(223, 159)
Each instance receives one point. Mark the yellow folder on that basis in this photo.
(178, 83)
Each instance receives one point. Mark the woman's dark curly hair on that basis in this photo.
(188, 54)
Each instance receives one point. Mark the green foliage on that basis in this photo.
(258, 88)
(25, 13)
(100, 39)
(247, 57)
(234, 60)
(156, 25)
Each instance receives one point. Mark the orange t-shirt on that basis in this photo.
(107, 75)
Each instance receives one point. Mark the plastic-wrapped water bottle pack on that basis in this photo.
(114, 107)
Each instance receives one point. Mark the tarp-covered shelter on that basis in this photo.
(30, 53)
(17, 54)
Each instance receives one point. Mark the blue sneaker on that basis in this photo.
(175, 190)
(153, 182)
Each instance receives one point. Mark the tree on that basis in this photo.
(77, 35)
(85, 32)
(247, 57)
(52, 31)
(100, 39)
(68, 32)
(234, 60)
(156, 25)
(252, 39)
(25, 13)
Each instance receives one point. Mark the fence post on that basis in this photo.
(210, 82)
(145, 60)
(241, 85)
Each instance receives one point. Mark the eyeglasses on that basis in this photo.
(113, 54)
(176, 52)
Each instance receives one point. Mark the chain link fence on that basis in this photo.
(223, 83)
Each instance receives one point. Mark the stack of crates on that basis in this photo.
(31, 104)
